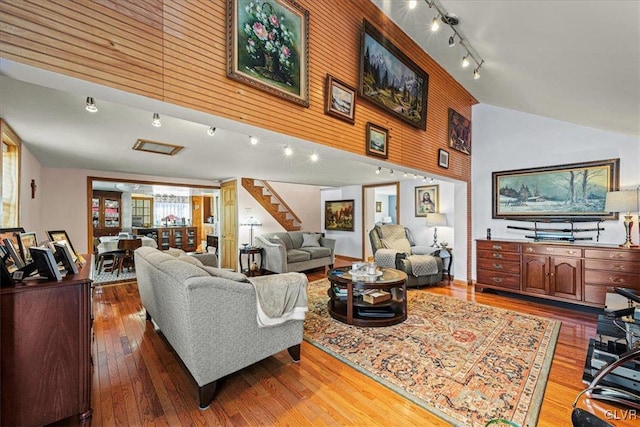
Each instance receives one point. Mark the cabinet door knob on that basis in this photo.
(571, 252)
(616, 255)
(616, 279)
(497, 266)
(549, 249)
(617, 267)
(497, 279)
(497, 247)
(530, 249)
(497, 255)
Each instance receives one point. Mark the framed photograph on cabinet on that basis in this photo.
(391, 80)
(27, 240)
(338, 215)
(60, 236)
(443, 158)
(427, 200)
(377, 141)
(459, 132)
(268, 47)
(340, 99)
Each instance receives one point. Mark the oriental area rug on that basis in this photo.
(467, 363)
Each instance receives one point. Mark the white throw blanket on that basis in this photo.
(280, 297)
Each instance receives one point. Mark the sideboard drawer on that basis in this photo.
(505, 256)
(512, 267)
(552, 250)
(611, 278)
(613, 254)
(503, 280)
(612, 265)
(487, 245)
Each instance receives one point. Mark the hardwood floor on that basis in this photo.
(137, 380)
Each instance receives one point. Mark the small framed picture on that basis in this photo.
(26, 241)
(443, 158)
(459, 132)
(340, 99)
(377, 141)
(427, 200)
(378, 206)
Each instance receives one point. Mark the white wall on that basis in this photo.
(31, 209)
(506, 139)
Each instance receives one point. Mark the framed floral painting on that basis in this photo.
(268, 47)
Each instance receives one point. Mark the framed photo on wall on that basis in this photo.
(459, 132)
(391, 80)
(427, 200)
(340, 100)
(338, 215)
(268, 47)
(377, 141)
(443, 158)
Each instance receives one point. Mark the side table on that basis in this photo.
(444, 254)
(250, 253)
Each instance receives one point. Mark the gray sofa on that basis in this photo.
(289, 251)
(210, 321)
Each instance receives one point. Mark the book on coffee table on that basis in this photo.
(376, 297)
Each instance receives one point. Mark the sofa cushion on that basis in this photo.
(318, 252)
(310, 240)
(297, 255)
(174, 252)
(225, 274)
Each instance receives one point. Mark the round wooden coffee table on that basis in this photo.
(351, 308)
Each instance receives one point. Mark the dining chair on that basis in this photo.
(109, 256)
(125, 256)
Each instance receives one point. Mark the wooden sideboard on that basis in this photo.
(46, 350)
(576, 273)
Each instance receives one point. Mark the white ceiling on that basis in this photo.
(575, 61)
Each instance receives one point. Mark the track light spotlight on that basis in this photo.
(391, 172)
(253, 140)
(211, 131)
(452, 41)
(415, 176)
(156, 120)
(435, 24)
(91, 105)
(378, 170)
(314, 157)
(476, 73)
(287, 150)
(465, 61)
(405, 174)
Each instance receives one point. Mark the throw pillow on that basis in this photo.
(310, 240)
(225, 274)
(190, 260)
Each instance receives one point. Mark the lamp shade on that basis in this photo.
(436, 220)
(251, 221)
(386, 220)
(621, 201)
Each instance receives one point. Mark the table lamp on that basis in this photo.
(386, 220)
(623, 202)
(436, 220)
(251, 222)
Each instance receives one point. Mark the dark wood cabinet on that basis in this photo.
(106, 213)
(46, 350)
(185, 238)
(565, 272)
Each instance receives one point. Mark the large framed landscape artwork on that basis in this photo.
(338, 215)
(390, 80)
(571, 192)
(268, 47)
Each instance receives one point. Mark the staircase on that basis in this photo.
(272, 203)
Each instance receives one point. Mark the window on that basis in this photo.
(142, 211)
(10, 185)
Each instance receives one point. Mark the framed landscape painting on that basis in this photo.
(390, 80)
(340, 99)
(570, 192)
(377, 141)
(268, 47)
(459, 132)
(427, 200)
(338, 215)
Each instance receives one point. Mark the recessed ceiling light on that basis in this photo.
(253, 140)
(287, 150)
(156, 147)
(314, 157)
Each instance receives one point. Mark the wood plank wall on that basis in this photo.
(175, 51)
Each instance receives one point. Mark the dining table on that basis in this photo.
(110, 243)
